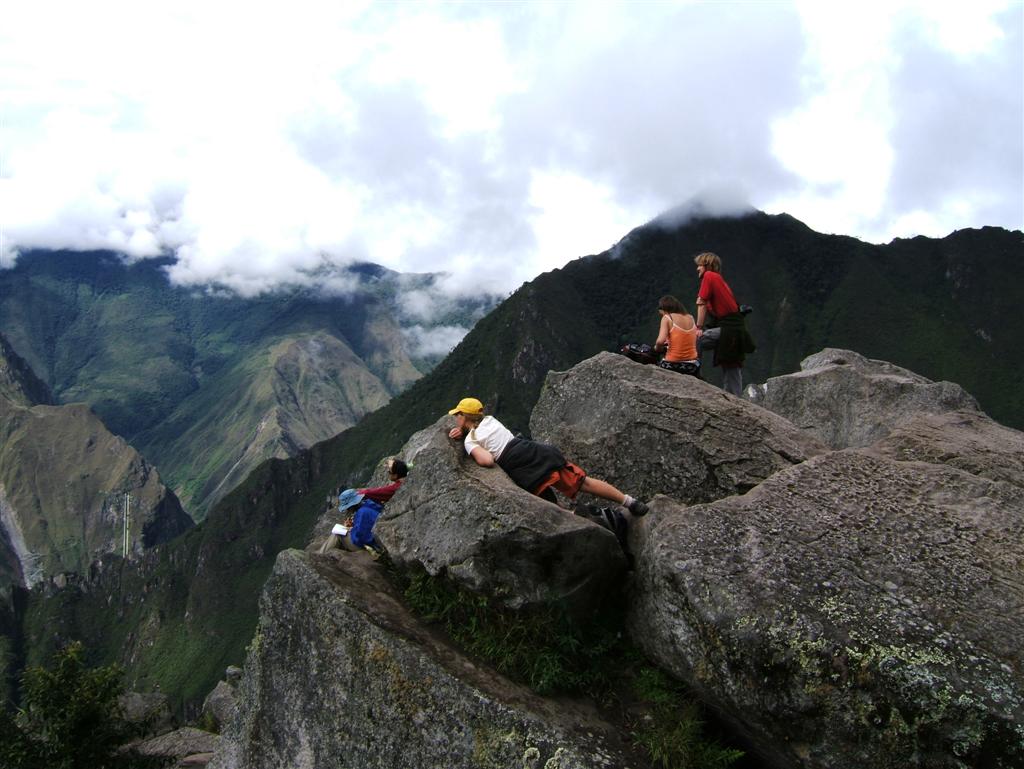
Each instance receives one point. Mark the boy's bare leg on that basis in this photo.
(602, 489)
(605, 490)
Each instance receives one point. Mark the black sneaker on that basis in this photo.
(637, 508)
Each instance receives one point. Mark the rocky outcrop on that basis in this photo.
(148, 710)
(185, 747)
(473, 525)
(650, 431)
(846, 400)
(850, 611)
(338, 668)
(220, 706)
(858, 607)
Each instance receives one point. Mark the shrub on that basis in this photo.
(69, 719)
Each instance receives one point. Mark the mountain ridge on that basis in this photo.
(162, 364)
(211, 576)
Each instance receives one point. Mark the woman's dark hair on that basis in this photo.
(399, 468)
(669, 303)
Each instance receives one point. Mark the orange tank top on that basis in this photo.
(682, 342)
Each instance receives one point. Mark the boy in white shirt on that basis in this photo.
(536, 467)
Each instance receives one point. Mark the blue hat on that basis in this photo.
(349, 497)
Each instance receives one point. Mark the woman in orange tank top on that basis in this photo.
(677, 337)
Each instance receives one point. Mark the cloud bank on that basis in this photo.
(492, 141)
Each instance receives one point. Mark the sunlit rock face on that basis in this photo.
(847, 400)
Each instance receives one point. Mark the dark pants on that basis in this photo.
(733, 375)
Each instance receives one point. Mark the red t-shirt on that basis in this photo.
(717, 295)
(382, 494)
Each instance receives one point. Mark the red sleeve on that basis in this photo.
(704, 292)
(381, 493)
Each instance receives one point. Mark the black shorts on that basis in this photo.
(691, 367)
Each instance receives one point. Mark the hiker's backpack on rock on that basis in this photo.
(641, 353)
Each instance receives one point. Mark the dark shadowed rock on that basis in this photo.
(340, 674)
(18, 382)
(966, 440)
(850, 611)
(220, 705)
(848, 401)
(148, 709)
(650, 431)
(476, 526)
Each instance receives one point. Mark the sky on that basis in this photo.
(261, 143)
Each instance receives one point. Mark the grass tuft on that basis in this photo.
(552, 654)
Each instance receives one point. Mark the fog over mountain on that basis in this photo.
(492, 141)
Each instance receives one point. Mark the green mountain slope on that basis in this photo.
(18, 383)
(273, 403)
(200, 381)
(945, 308)
(63, 481)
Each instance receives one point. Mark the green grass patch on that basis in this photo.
(673, 735)
(553, 654)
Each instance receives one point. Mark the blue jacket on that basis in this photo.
(362, 523)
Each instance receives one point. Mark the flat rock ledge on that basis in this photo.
(340, 674)
(967, 440)
(180, 745)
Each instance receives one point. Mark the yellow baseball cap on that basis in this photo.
(468, 406)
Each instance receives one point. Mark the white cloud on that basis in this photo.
(439, 340)
(492, 141)
(572, 212)
(888, 139)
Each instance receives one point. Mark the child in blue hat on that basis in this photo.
(360, 513)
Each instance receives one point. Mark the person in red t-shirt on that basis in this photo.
(729, 338)
(397, 470)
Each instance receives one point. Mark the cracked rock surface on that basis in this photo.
(650, 431)
(339, 674)
(849, 611)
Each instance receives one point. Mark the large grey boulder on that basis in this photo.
(850, 611)
(340, 674)
(650, 431)
(475, 526)
(848, 401)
